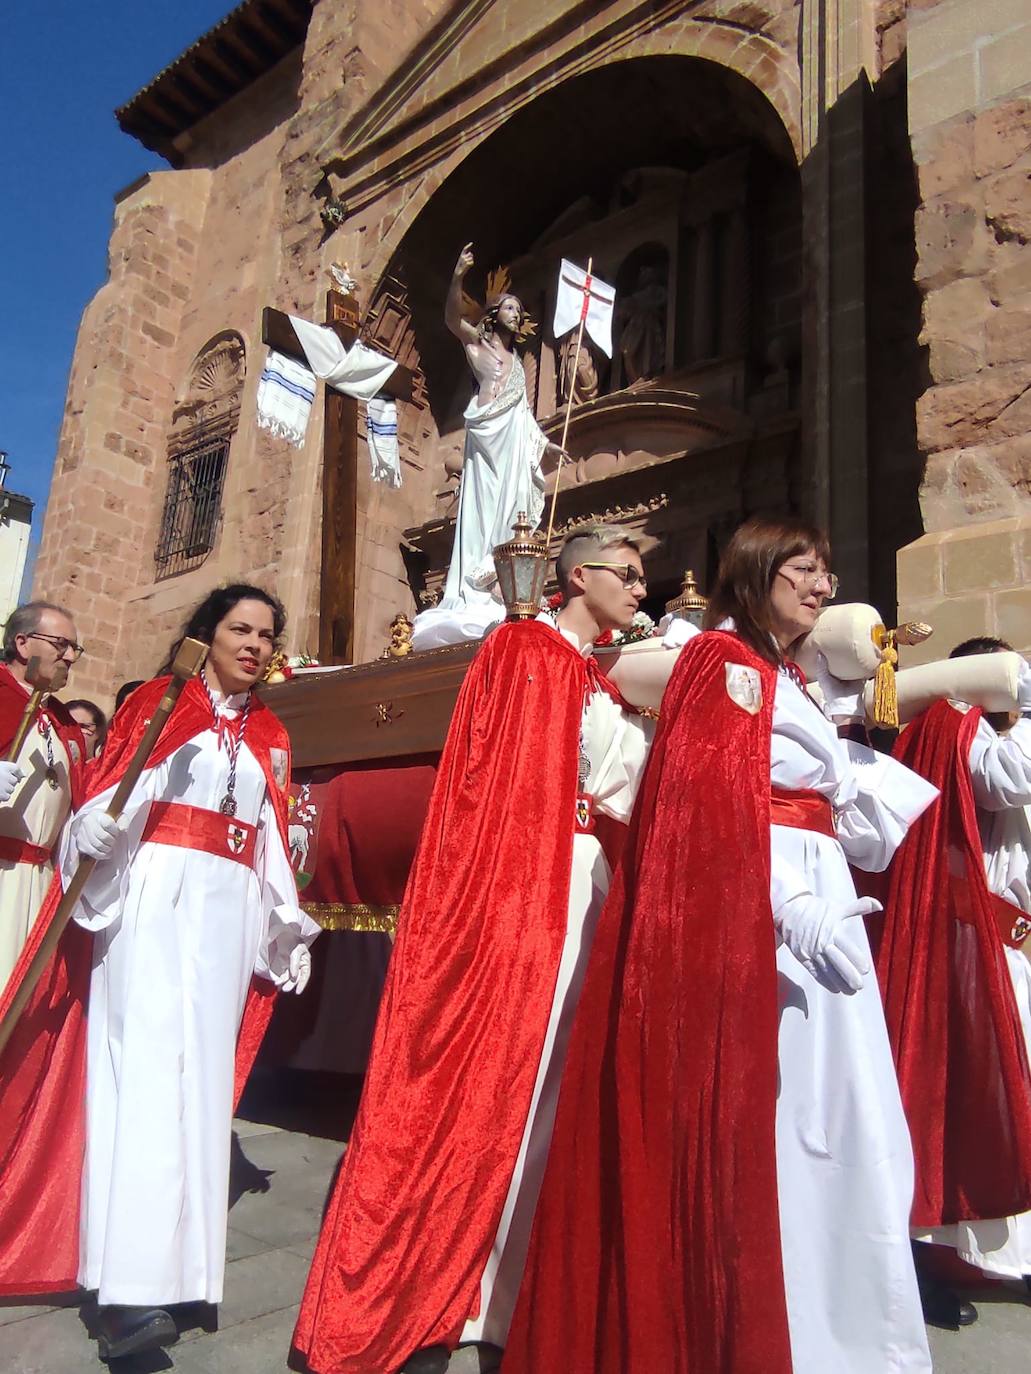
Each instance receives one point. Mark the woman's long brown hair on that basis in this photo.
(747, 568)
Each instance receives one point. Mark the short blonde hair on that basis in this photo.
(585, 542)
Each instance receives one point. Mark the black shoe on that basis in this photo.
(130, 1330)
(944, 1307)
(433, 1359)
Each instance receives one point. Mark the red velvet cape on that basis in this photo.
(462, 1021)
(948, 1000)
(656, 1244)
(43, 1066)
(13, 701)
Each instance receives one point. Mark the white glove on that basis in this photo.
(1023, 688)
(676, 632)
(842, 699)
(814, 931)
(95, 835)
(298, 971)
(10, 776)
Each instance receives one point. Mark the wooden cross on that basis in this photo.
(339, 475)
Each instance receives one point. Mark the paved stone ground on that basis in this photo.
(272, 1234)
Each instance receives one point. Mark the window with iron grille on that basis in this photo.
(193, 504)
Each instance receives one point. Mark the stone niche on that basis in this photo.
(693, 422)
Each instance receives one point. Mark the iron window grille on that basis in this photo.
(193, 504)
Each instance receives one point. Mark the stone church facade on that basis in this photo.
(816, 219)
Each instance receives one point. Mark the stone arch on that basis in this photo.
(204, 419)
(768, 68)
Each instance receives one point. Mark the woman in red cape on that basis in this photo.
(729, 1181)
(656, 1245)
(949, 1001)
(117, 1086)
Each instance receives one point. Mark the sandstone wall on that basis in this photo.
(970, 124)
(201, 250)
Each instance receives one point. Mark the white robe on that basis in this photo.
(34, 814)
(617, 745)
(178, 934)
(844, 1156)
(501, 476)
(1000, 769)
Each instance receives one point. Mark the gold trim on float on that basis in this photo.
(373, 920)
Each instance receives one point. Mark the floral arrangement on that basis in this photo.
(302, 661)
(641, 627)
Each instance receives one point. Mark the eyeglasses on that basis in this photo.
(87, 729)
(809, 578)
(61, 644)
(626, 572)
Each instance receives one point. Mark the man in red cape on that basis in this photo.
(41, 786)
(948, 1000)
(422, 1244)
(657, 1242)
(43, 1066)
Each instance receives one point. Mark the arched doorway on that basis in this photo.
(678, 177)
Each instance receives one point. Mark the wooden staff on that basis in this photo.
(188, 663)
(41, 686)
(569, 400)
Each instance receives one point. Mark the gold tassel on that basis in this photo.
(885, 696)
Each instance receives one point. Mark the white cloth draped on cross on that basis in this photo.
(287, 389)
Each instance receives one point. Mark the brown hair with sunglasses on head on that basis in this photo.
(763, 552)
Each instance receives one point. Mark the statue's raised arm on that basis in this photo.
(463, 331)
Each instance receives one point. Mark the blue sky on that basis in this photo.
(64, 67)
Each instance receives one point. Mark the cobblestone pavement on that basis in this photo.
(272, 1234)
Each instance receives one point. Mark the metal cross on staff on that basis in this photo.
(583, 293)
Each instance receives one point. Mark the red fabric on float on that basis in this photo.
(948, 999)
(43, 1066)
(656, 1244)
(463, 1018)
(370, 820)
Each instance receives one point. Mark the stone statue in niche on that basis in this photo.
(642, 339)
(586, 385)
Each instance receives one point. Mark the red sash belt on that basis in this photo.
(610, 833)
(1014, 925)
(193, 827)
(802, 811)
(21, 852)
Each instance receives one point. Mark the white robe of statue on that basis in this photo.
(501, 476)
(844, 1158)
(1000, 769)
(34, 814)
(178, 934)
(617, 745)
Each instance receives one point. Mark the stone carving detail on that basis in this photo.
(211, 395)
(642, 340)
(586, 384)
(612, 514)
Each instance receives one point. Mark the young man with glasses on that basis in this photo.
(426, 1232)
(40, 787)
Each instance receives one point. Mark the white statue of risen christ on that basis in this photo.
(501, 467)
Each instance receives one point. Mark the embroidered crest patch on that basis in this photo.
(277, 757)
(236, 838)
(745, 687)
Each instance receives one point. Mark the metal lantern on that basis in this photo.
(690, 604)
(522, 566)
